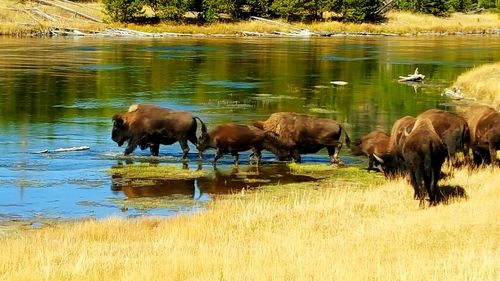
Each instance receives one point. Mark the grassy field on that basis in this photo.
(331, 230)
(20, 18)
(352, 225)
(482, 83)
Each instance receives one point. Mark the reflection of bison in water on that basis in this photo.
(149, 126)
(234, 138)
(424, 154)
(484, 124)
(376, 142)
(300, 134)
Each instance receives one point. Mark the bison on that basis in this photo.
(453, 131)
(392, 163)
(376, 142)
(234, 138)
(484, 124)
(147, 125)
(424, 154)
(301, 134)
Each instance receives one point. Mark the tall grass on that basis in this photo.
(358, 231)
(483, 83)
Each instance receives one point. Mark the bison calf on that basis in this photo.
(234, 138)
(376, 142)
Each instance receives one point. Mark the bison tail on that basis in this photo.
(203, 126)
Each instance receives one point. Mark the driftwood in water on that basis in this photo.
(415, 77)
(339, 83)
(79, 148)
(52, 3)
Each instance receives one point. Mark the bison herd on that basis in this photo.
(416, 146)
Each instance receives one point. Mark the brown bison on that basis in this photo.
(376, 142)
(301, 134)
(392, 163)
(453, 131)
(149, 126)
(484, 124)
(424, 154)
(234, 138)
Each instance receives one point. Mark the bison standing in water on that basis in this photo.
(234, 138)
(149, 126)
(300, 134)
(376, 142)
(484, 124)
(424, 154)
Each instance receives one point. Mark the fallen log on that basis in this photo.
(50, 3)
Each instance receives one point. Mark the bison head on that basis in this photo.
(203, 142)
(272, 143)
(356, 148)
(119, 133)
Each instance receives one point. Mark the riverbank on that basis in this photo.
(338, 229)
(34, 19)
(481, 83)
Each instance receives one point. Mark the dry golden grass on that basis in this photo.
(296, 232)
(19, 17)
(15, 20)
(482, 83)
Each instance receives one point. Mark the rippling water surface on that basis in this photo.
(62, 92)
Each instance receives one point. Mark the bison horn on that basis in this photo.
(406, 132)
(379, 159)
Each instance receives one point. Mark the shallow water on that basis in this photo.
(62, 92)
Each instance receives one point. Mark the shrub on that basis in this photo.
(172, 10)
(123, 10)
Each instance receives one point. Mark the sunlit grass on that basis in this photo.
(321, 231)
(483, 83)
(157, 171)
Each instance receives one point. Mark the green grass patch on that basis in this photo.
(145, 171)
(175, 203)
(299, 168)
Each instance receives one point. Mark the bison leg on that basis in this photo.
(217, 156)
(333, 152)
(132, 145)
(154, 149)
(185, 148)
(235, 157)
(296, 156)
(493, 153)
(258, 155)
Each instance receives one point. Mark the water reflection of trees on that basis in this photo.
(290, 74)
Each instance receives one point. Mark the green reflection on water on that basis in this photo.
(49, 80)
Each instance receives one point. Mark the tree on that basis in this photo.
(123, 10)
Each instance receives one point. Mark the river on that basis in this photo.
(61, 92)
